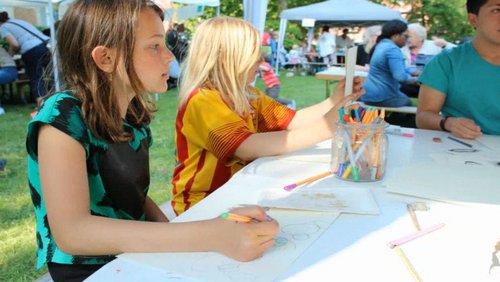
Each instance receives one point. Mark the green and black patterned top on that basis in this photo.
(117, 173)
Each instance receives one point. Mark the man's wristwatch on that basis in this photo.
(441, 123)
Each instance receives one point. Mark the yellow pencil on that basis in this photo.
(408, 264)
(382, 114)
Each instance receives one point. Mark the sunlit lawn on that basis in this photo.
(17, 224)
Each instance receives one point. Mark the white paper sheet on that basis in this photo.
(452, 183)
(490, 141)
(350, 67)
(466, 159)
(348, 200)
(299, 229)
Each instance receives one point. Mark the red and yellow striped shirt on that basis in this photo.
(207, 134)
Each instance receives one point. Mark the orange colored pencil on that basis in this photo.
(236, 217)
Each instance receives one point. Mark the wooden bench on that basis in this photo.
(404, 110)
(19, 86)
(314, 67)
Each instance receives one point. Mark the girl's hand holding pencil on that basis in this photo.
(245, 233)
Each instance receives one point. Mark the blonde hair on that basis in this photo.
(220, 56)
(86, 25)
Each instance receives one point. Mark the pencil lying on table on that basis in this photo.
(415, 235)
(460, 141)
(307, 180)
(408, 264)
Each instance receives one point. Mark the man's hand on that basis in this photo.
(463, 127)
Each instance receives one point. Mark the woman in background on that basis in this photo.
(32, 44)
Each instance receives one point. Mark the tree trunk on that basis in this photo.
(283, 5)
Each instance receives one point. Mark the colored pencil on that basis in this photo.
(415, 235)
(413, 216)
(408, 264)
(460, 141)
(307, 180)
(235, 217)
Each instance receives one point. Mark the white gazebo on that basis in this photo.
(337, 13)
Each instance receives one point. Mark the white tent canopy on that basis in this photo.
(342, 13)
(338, 13)
(255, 12)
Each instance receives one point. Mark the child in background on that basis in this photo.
(272, 82)
(223, 122)
(88, 148)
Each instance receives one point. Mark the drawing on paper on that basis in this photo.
(341, 199)
(298, 230)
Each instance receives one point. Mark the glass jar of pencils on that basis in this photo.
(359, 150)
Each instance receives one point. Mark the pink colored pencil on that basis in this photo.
(415, 235)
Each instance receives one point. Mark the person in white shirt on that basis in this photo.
(343, 42)
(326, 45)
(418, 44)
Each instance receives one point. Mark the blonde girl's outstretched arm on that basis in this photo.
(63, 177)
(307, 116)
(284, 141)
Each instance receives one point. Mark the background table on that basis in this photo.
(335, 74)
(354, 247)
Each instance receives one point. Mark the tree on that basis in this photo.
(443, 18)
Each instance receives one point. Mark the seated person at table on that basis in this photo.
(223, 122)
(8, 71)
(31, 43)
(418, 51)
(460, 89)
(387, 68)
(418, 45)
(369, 40)
(296, 59)
(88, 160)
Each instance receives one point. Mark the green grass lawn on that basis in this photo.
(17, 223)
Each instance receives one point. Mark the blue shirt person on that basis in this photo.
(387, 68)
(460, 89)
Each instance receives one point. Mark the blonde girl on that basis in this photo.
(223, 122)
(88, 150)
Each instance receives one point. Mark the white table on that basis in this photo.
(336, 73)
(354, 247)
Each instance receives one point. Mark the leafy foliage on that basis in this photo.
(443, 18)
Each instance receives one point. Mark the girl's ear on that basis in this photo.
(104, 58)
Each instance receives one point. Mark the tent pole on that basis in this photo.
(50, 19)
(283, 24)
(310, 34)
